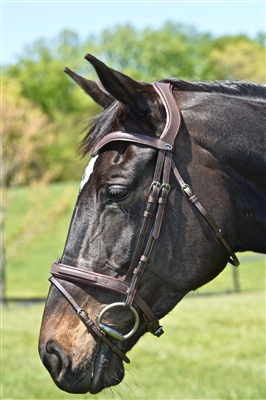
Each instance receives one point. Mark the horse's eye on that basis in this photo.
(118, 192)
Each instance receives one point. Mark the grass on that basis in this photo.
(213, 346)
(36, 227)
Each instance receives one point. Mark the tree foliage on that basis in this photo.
(40, 72)
(27, 134)
(172, 51)
(241, 59)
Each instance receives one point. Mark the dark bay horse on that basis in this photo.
(175, 186)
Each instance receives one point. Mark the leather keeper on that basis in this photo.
(193, 198)
(144, 259)
(162, 200)
(152, 199)
(147, 214)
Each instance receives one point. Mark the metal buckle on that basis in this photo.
(81, 310)
(154, 183)
(166, 186)
(184, 187)
(159, 331)
(168, 147)
(218, 233)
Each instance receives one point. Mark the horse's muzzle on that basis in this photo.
(102, 370)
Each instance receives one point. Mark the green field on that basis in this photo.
(213, 346)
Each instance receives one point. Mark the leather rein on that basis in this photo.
(150, 231)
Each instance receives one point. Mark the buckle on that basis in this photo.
(80, 311)
(154, 183)
(218, 234)
(153, 326)
(159, 331)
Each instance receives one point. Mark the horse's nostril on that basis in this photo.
(55, 359)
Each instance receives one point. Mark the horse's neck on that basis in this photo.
(250, 201)
(243, 161)
(234, 135)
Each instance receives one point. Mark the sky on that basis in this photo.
(24, 22)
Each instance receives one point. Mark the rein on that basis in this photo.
(153, 216)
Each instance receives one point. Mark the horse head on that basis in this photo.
(124, 266)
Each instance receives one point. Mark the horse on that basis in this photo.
(174, 187)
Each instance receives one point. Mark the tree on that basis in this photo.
(241, 59)
(40, 72)
(180, 51)
(27, 134)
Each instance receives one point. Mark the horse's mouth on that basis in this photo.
(103, 370)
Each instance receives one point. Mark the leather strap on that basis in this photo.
(74, 274)
(92, 328)
(139, 264)
(173, 113)
(186, 189)
(172, 127)
(148, 215)
(133, 138)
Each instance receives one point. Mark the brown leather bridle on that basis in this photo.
(150, 231)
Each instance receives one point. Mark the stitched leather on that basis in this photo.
(133, 138)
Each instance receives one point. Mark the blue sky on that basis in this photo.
(24, 22)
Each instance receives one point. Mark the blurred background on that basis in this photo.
(43, 117)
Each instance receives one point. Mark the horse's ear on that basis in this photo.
(92, 89)
(121, 87)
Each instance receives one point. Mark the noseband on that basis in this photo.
(150, 231)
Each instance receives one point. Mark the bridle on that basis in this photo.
(150, 231)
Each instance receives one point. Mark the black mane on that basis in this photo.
(102, 123)
(230, 88)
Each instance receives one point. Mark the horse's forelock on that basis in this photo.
(101, 125)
